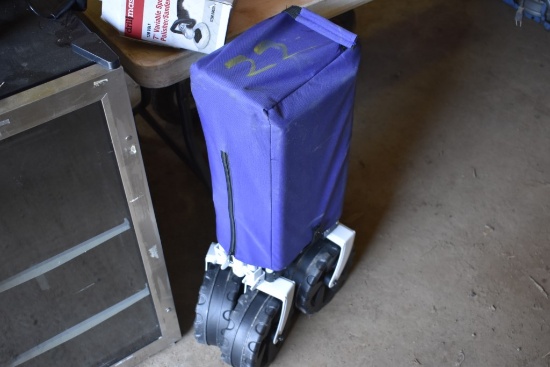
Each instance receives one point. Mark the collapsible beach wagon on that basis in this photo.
(276, 105)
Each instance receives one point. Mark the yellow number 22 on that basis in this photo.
(259, 49)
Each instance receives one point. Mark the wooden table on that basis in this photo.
(153, 66)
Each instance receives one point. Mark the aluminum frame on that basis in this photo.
(61, 96)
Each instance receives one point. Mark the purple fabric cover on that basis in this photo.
(278, 102)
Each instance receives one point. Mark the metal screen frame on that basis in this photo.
(61, 96)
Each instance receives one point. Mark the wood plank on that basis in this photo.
(246, 13)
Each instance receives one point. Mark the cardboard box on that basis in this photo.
(197, 25)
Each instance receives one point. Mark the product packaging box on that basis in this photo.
(197, 25)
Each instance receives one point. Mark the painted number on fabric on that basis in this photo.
(259, 49)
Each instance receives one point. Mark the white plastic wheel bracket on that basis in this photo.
(343, 237)
(282, 289)
(216, 255)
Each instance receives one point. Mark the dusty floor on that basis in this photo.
(449, 192)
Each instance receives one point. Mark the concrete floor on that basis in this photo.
(449, 192)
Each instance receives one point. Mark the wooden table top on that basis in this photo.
(155, 66)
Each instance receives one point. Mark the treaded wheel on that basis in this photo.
(218, 295)
(312, 273)
(248, 339)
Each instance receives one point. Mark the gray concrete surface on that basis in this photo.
(449, 192)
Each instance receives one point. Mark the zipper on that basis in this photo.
(227, 170)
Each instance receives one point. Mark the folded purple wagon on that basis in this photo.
(276, 107)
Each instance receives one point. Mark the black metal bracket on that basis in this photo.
(91, 47)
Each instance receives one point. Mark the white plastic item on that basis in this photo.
(197, 25)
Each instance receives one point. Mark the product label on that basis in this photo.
(198, 25)
(133, 21)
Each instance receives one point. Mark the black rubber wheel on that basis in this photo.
(248, 339)
(218, 295)
(312, 273)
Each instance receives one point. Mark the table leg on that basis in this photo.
(192, 156)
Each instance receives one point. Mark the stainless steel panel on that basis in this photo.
(71, 175)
